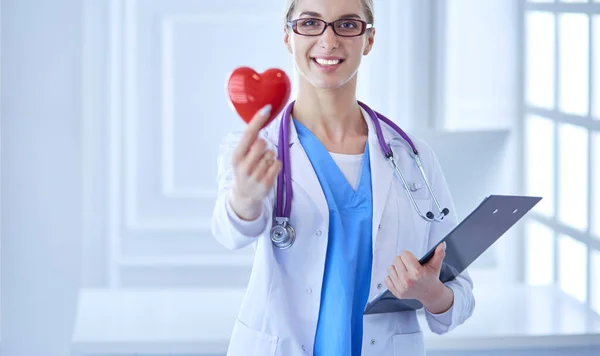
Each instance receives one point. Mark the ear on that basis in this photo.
(286, 39)
(370, 41)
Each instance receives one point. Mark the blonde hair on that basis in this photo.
(368, 7)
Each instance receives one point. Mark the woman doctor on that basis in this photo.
(356, 230)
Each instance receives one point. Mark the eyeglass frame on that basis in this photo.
(294, 25)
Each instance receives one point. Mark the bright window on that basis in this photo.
(540, 162)
(540, 59)
(573, 64)
(572, 269)
(540, 249)
(573, 173)
(595, 281)
(595, 223)
(561, 116)
(596, 64)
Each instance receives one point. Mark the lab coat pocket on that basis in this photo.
(247, 341)
(409, 344)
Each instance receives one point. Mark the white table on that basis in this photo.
(199, 322)
(521, 318)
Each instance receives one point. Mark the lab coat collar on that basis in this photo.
(381, 170)
(303, 173)
(381, 173)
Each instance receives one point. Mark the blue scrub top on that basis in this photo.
(347, 275)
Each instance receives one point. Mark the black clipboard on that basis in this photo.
(464, 244)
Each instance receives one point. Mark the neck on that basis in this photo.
(332, 115)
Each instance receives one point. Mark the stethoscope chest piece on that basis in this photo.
(283, 234)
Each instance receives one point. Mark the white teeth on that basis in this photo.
(327, 62)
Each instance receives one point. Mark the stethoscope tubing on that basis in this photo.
(283, 203)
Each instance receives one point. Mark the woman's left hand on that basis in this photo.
(408, 279)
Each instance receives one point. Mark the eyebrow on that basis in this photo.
(316, 14)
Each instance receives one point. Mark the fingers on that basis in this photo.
(395, 272)
(261, 167)
(413, 267)
(399, 265)
(394, 277)
(250, 134)
(253, 157)
(259, 119)
(251, 160)
(408, 278)
(271, 174)
(438, 256)
(390, 284)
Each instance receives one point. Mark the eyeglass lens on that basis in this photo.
(344, 27)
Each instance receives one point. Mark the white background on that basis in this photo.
(112, 111)
(154, 112)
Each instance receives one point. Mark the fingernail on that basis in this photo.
(444, 246)
(266, 110)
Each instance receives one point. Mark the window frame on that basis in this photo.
(557, 117)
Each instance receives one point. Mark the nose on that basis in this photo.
(329, 39)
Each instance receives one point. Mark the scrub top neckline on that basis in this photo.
(335, 173)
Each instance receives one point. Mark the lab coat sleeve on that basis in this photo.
(462, 286)
(231, 231)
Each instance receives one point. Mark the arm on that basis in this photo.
(231, 230)
(247, 169)
(446, 305)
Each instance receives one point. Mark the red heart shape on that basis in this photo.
(249, 91)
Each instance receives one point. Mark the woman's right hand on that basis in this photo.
(255, 169)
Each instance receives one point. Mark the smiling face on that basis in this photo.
(328, 61)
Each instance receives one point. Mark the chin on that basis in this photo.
(330, 82)
(327, 84)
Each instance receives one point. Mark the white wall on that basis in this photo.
(471, 119)
(41, 174)
(75, 91)
(155, 112)
(149, 91)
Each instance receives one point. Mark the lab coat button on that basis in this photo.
(379, 286)
(303, 348)
(318, 232)
(308, 290)
(372, 341)
(379, 227)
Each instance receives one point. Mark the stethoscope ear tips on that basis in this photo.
(430, 215)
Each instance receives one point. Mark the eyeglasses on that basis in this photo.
(342, 27)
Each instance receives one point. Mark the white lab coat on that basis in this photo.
(279, 313)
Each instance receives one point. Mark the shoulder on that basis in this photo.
(390, 134)
(424, 148)
(427, 155)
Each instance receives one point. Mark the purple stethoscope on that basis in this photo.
(283, 234)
